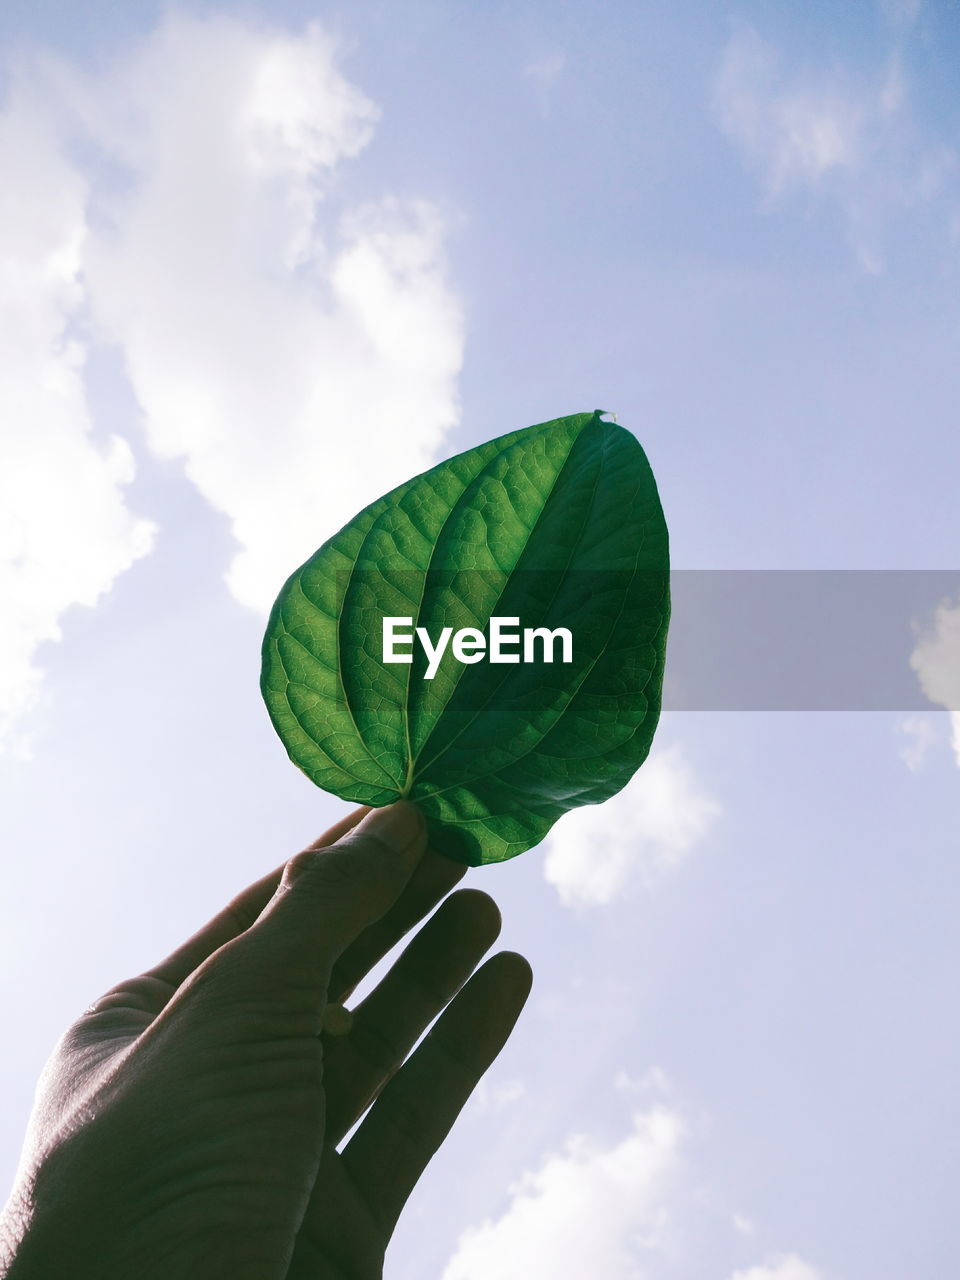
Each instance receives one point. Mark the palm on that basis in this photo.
(321, 1213)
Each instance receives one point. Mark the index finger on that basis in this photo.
(237, 916)
(433, 879)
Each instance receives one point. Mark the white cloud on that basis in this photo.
(488, 1097)
(299, 361)
(921, 732)
(902, 13)
(653, 1082)
(297, 352)
(545, 71)
(791, 134)
(936, 660)
(66, 532)
(782, 1267)
(826, 132)
(589, 1210)
(630, 1208)
(595, 852)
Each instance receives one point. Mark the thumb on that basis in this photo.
(328, 896)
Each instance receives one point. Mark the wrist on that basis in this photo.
(55, 1238)
(14, 1220)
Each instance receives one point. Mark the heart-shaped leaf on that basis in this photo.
(557, 526)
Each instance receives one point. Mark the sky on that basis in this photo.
(258, 264)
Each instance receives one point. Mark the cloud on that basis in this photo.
(791, 135)
(921, 732)
(782, 1267)
(589, 1210)
(488, 1097)
(826, 132)
(545, 71)
(299, 355)
(629, 1208)
(595, 852)
(296, 352)
(66, 532)
(902, 13)
(936, 660)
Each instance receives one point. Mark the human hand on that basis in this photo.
(187, 1124)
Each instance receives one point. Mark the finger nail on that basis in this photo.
(337, 1020)
(399, 825)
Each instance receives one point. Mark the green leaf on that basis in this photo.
(558, 525)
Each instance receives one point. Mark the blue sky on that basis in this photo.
(235, 313)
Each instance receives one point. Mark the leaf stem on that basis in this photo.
(408, 780)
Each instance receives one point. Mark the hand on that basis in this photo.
(187, 1124)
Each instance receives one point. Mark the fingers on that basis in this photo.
(339, 828)
(388, 1023)
(325, 899)
(238, 915)
(417, 1108)
(433, 878)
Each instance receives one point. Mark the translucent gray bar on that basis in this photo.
(811, 640)
(739, 640)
